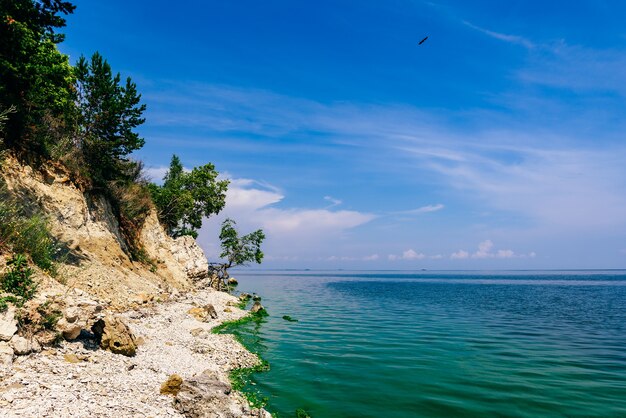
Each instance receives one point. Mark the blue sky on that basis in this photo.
(498, 143)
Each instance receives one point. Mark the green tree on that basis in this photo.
(108, 113)
(34, 76)
(185, 198)
(236, 251)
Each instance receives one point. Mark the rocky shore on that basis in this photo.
(79, 379)
(103, 335)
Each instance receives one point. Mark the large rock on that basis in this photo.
(22, 346)
(203, 314)
(69, 330)
(257, 308)
(115, 336)
(172, 385)
(204, 395)
(8, 324)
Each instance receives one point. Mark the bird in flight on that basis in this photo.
(423, 40)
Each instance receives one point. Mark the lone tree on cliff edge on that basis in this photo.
(237, 251)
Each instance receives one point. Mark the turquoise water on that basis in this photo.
(422, 344)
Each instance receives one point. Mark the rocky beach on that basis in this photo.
(79, 379)
(104, 335)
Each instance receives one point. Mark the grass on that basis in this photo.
(24, 229)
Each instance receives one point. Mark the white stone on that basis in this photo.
(8, 324)
(23, 346)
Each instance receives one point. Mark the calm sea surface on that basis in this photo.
(445, 344)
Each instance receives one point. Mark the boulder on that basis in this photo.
(172, 385)
(71, 314)
(204, 313)
(232, 282)
(69, 330)
(115, 336)
(244, 297)
(257, 307)
(204, 395)
(22, 346)
(8, 324)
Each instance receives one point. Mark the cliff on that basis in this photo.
(97, 258)
(102, 336)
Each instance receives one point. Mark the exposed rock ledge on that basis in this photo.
(79, 380)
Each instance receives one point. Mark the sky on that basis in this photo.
(496, 144)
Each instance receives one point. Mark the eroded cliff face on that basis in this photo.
(97, 260)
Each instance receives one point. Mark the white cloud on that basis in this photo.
(333, 202)
(409, 254)
(372, 257)
(246, 195)
(156, 174)
(290, 232)
(412, 255)
(423, 209)
(459, 255)
(486, 250)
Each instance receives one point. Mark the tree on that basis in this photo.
(108, 113)
(236, 251)
(185, 198)
(34, 76)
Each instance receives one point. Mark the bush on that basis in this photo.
(24, 232)
(18, 279)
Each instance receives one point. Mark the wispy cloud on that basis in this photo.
(421, 210)
(333, 202)
(550, 177)
(513, 39)
(290, 231)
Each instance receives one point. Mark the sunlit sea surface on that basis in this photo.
(443, 344)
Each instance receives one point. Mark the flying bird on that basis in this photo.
(423, 40)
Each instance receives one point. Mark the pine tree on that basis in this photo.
(108, 113)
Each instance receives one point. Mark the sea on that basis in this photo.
(440, 344)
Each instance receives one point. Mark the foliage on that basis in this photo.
(108, 113)
(18, 278)
(240, 250)
(34, 76)
(132, 202)
(185, 198)
(25, 232)
(49, 316)
(237, 251)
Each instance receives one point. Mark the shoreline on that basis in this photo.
(76, 379)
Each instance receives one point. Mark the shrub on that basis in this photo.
(18, 279)
(25, 231)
